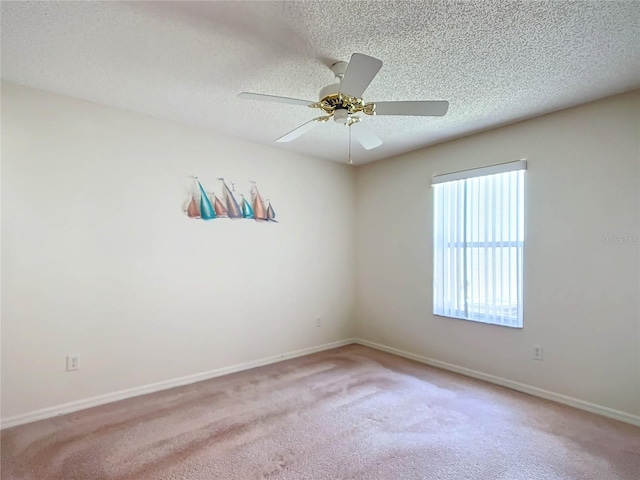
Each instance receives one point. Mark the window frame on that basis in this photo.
(481, 312)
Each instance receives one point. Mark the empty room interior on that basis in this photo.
(333, 240)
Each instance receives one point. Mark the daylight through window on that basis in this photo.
(478, 244)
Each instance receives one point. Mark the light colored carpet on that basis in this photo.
(349, 413)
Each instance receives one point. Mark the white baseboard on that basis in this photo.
(155, 387)
(520, 387)
(176, 382)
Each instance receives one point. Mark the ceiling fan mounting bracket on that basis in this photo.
(338, 69)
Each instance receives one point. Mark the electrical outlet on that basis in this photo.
(73, 362)
(318, 322)
(537, 352)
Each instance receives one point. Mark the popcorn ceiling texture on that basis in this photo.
(496, 62)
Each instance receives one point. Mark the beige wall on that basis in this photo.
(581, 294)
(98, 258)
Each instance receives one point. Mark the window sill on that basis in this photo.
(479, 320)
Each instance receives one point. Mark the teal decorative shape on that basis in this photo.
(206, 209)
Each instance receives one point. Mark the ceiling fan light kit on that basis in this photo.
(343, 99)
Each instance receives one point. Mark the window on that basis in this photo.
(478, 244)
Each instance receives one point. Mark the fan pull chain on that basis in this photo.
(350, 161)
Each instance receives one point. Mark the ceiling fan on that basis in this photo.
(343, 100)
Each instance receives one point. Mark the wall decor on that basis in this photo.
(208, 206)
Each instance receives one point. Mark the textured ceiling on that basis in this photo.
(495, 61)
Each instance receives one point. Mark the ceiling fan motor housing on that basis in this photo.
(341, 104)
(329, 90)
(331, 100)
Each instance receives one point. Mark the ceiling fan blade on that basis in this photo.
(359, 73)
(301, 130)
(417, 108)
(365, 136)
(274, 98)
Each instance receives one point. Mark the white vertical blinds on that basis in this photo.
(478, 244)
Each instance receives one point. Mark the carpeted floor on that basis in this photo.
(350, 413)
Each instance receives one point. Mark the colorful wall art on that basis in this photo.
(208, 206)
